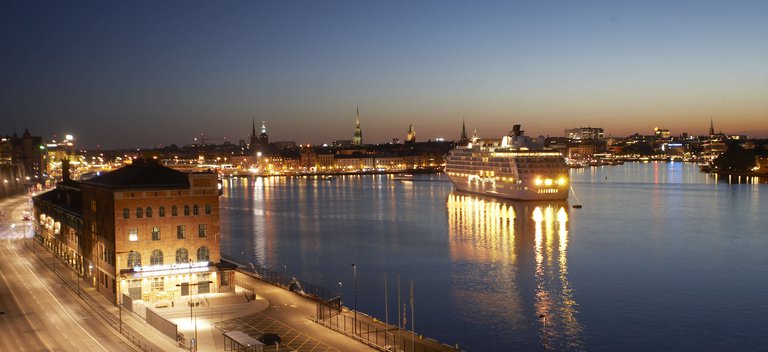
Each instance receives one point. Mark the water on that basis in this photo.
(661, 257)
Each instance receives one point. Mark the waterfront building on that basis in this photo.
(357, 139)
(144, 230)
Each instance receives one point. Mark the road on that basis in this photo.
(37, 312)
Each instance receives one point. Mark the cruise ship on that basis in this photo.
(512, 167)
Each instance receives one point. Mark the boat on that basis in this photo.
(705, 167)
(512, 167)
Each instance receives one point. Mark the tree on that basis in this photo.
(735, 159)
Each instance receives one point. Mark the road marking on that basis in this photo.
(59, 303)
(25, 314)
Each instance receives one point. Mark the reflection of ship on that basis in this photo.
(512, 167)
(520, 250)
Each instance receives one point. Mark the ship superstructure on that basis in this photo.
(511, 167)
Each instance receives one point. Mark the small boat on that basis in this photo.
(577, 206)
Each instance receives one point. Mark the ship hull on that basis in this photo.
(508, 191)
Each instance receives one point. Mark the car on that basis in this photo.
(269, 338)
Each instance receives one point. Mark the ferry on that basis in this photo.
(513, 167)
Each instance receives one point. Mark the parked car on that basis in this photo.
(269, 338)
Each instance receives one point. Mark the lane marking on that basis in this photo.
(26, 315)
(59, 303)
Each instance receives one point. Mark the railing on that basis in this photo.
(291, 283)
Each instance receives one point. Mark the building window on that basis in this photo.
(139, 213)
(161, 212)
(133, 234)
(202, 230)
(155, 233)
(174, 211)
(157, 284)
(182, 256)
(186, 210)
(126, 213)
(202, 254)
(181, 232)
(149, 212)
(156, 258)
(195, 210)
(208, 209)
(134, 259)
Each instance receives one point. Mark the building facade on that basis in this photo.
(144, 230)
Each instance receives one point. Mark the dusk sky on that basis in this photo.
(145, 73)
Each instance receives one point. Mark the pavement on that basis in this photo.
(274, 309)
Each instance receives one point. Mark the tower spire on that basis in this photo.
(711, 127)
(463, 140)
(253, 133)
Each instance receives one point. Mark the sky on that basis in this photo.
(141, 74)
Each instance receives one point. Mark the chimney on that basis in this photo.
(65, 170)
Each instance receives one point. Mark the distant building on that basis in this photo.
(261, 142)
(357, 139)
(585, 133)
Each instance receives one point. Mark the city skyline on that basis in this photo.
(143, 74)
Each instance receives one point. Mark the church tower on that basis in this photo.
(263, 138)
(410, 138)
(254, 141)
(463, 140)
(711, 127)
(358, 138)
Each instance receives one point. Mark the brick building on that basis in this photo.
(144, 230)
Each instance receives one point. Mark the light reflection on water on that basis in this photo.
(487, 230)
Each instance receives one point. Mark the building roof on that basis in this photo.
(142, 174)
(65, 196)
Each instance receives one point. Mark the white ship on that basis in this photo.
(512, 167)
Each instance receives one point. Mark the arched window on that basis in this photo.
(126, 213)
(139, 213)
(202, 254)
(186, 210)
(195, 210)
(156, 258)
(182, 256)
(149, 212)
(208, 209)
(174, 211)
(161, 212)
(134, 259)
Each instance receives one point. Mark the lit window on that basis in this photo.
(155, 233)
(133, 234)
(182, 256)
(202, 230)
(156, 258)
(181, 232)
(134, 259)
(202, 254)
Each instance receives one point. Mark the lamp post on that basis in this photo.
(191, 307)
(354, 276)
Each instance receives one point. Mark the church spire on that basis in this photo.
(463, 140)
(253, 133)
(711, 127)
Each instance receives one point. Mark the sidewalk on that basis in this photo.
(136, 332)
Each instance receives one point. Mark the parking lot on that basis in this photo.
(257, 324)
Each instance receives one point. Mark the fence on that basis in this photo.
(160, 323)
(379, 335)
(282, 279)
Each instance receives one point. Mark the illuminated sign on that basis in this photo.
(178, 266)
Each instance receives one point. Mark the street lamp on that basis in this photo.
(354, 275)
(191, 307)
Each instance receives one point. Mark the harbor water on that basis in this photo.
(661, 257)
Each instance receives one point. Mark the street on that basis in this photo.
(37, 312)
